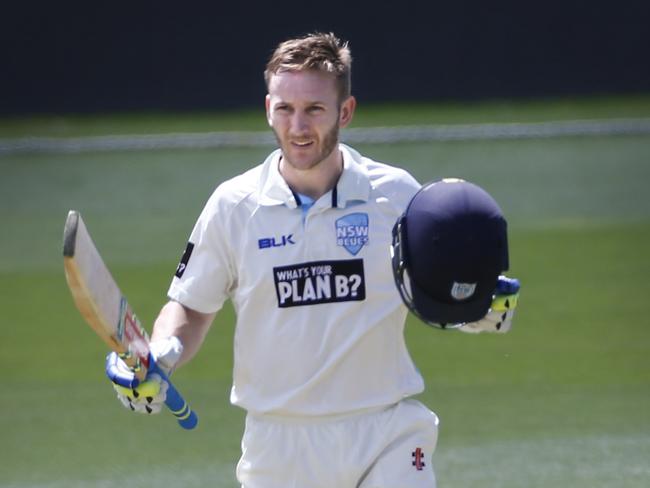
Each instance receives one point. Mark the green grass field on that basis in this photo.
(563, 400)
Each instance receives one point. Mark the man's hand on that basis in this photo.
(149, 396)
(502, 310)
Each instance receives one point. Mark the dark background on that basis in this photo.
(117, 56)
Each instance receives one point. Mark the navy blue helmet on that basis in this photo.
(449, 248)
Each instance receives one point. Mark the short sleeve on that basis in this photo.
(205, 275)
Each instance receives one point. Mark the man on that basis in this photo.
(301, 245)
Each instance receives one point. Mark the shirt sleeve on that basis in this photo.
(205, 274)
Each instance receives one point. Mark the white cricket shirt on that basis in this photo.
(319, 320)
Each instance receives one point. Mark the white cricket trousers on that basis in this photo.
(387, 448)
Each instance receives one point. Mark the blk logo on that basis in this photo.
(418, 459)
(268, 242)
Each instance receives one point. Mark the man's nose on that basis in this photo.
(299, 123)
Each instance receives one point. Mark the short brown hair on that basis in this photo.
(317, 51)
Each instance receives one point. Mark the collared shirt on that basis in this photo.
(319, 320)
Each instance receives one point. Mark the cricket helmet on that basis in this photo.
(449, 248)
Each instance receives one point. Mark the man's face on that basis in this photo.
(304, 111)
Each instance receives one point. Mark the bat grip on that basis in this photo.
(175, 401)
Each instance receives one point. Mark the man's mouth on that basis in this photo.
(302, 143)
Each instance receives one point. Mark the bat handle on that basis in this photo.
(175, 401)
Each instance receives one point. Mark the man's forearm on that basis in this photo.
(188, 325)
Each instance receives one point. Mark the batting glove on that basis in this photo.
(149, 396)
(502, 309)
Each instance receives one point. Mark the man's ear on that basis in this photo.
(347, 111)
(267, 105)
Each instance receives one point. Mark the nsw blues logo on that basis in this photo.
(462, 291)
(352, 232)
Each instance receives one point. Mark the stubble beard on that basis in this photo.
(329, 143)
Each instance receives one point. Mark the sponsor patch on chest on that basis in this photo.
(320, 282)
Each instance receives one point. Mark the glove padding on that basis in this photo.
(502, 309)
(149, 396)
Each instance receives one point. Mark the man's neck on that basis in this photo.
(317, 181)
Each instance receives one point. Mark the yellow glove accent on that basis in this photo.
(149, 388)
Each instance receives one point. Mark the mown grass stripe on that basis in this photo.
(374, 135)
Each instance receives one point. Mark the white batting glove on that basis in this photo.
(166, 352)
(149, 396)
(502, 309)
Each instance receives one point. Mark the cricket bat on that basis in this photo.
(106, 310)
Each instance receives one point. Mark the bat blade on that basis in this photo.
(106, 310)
(99, 299)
